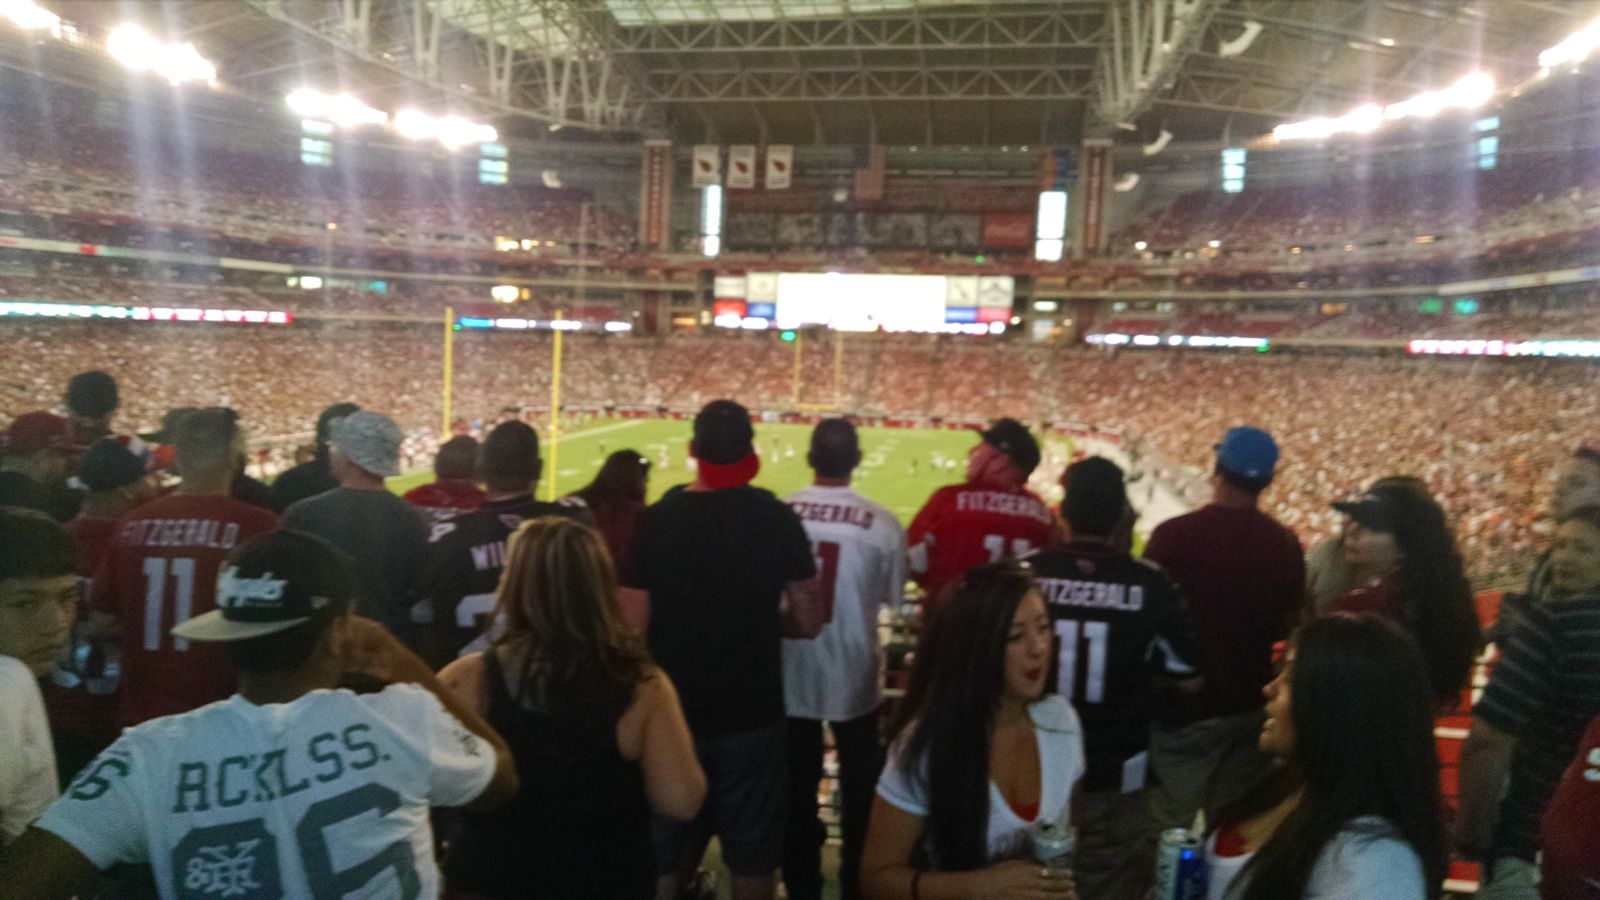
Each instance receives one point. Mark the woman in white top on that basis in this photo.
(978, 757)
(1353, 812)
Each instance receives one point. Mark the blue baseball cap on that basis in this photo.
(1249, 453)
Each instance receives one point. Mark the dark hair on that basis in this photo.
(457, 458)
(1364, 746)
(1589, 515)
(325, 423)
(835, 448)
(33, 545)
(722, 433)
(205, 441)
(622, 480)
(1251, 486)
(1439, 605)
(957, 679)
(510, 457)
(1587, 454)
(1096, 499)
(578, 658)
(92, 394)
(317, 566)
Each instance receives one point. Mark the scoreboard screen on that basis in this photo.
(865, 302)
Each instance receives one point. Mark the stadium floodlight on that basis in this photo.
(140, 51)
(1474, 89)
(1140, 245)
(30, 16)
(1575, 49)
(453, 132)
(340, 109)
(505, 293)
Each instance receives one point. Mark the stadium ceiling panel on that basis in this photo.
(850, 72)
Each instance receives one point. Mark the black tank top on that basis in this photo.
(579, 826)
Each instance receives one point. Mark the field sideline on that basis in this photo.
(899, 469)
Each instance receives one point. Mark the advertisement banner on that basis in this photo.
(1096, 180)
(780, 167)
(707, 165)
(742, 166)
(1007, 230)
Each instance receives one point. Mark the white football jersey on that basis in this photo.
(324, 797)
(861, 562)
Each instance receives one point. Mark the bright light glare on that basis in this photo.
(340, 109)
(505, 293)
(453, 132)
(140, 51)
(29, 16)
(1471, 90)
(1140, 245)
(1575, 49)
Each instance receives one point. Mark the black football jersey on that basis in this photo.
(466, 554)
(1118, 620)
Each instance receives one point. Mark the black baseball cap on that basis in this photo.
(1014, 440)
(107, 465)
(1376, 510)
(272, 583)
(1096, 496)
(723, 435)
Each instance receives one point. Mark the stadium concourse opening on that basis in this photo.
(848, 449)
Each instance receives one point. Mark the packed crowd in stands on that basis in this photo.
(1490, 432)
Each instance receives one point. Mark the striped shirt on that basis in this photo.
(1545, 691)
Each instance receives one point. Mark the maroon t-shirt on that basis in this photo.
(1243, 575)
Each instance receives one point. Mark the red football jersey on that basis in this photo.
(162, 570)
(1571, 865)
(963, 525)
(94, 539)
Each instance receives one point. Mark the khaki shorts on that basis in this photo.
(1204, 765)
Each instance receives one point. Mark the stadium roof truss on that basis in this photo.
(897, 72)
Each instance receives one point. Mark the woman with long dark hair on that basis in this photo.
(979, 756)
(1354, 809)
(616, 497)
(598, 735)
(1399, 535)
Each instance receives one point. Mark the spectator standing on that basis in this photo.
(454, 489)
(35, 458)
(1353, 810)
(1330, 574)
(716, 560)
(38, 603)
(1575, 484)
(980, 755)
(1525, 730)
(115, 482)
(595, 728)
(1121, 630)
(289, 788)
(1400, 537)
(465, 555)
(387, 536)
(315, 475)
(836, 678)
(990, 517)
(163, 568)
(616, 498)
(1243, 576)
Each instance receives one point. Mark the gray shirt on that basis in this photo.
(388, 538)
(1365, 861)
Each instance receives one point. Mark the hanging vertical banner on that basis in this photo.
(655, 196)
(780, 166)
(869, 179)
(707, 165)
(742, 166)
(1096, 178)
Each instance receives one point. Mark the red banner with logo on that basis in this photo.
(655, 196)
(1007, 230)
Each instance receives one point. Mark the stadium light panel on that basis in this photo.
(342, 110)
(30, 16)
(1575, 49)
(453, 132)
(1474, 89)
(140, 51)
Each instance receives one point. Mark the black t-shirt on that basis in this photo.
(715, 564)
(466, 555)
(1118, 620)
(305, 480)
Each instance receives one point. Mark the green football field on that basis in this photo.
(901, 468)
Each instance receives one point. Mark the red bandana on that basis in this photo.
(718, 477)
